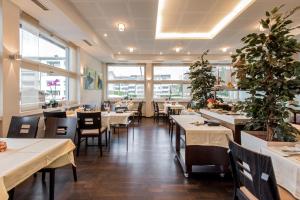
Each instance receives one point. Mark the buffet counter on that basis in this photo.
(231, 120)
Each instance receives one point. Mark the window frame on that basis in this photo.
(172, 82)
(38, 66)
(136, 82)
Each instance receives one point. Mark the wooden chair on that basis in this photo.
(89, 125)
(138, 113)
(159, 112)
(253, 175)
(56, 114)
(23, 127)
(59, 128)
(154, 111)
(127, 125)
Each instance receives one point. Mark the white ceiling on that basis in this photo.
(139, 17)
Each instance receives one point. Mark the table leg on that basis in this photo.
(177, 137)
(52, 184)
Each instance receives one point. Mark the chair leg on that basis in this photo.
(106, 138)
(127, 138)
(86, 142)
(11, 194)
(74, 173)
(100, 143)
(109, 138)
(52, 184)
(43, 176)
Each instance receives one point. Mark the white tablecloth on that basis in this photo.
(24, 157)
(111, 118)
(286, 169)
(203, 134)
(116, 118)
(173, 107)
(187, 112)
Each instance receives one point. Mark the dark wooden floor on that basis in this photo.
(147, 171)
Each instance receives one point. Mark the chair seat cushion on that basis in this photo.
(92, 131)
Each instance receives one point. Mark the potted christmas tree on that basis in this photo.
(202, 81)
(266, 68)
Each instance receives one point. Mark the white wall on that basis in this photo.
(90, 96)
(11, 68)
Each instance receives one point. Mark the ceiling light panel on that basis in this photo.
(217, 19)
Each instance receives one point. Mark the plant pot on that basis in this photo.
(255, 141)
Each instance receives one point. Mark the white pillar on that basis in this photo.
(10, 68)
(149, 90)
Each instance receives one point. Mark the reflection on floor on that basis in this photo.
(147, 171)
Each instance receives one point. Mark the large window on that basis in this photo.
(125, 81)
(38, 88)
(171, 82)
(48, 82)
(37, 47)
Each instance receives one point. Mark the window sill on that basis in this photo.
(40, 111)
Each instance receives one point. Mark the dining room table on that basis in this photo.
(286, 165)
(175, 108)
(195, 140)
(109, 118)
(25, 157)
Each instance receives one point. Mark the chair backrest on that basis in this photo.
(254, 172)
(156, 107)
(61, 128)
(56, 114)
(140, 107)
(89, 120)
(23, 127)
(153, 103)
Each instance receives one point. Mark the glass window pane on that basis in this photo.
(121, 90)
(29, 45)
(170, 73)
(31, 95)
(116, 72)
(38, 88)
(224, 74)
(54, 87)
(232, 96)
(39, 48)
(171, 91)
(52, 54)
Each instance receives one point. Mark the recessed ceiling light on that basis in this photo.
(160, 53)
(119, 52)
(130, 49)
(230, 52)
(224, 49)
(105, 35)
(121, 27)
(188, 53)
(178, 49)
(238, 9)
